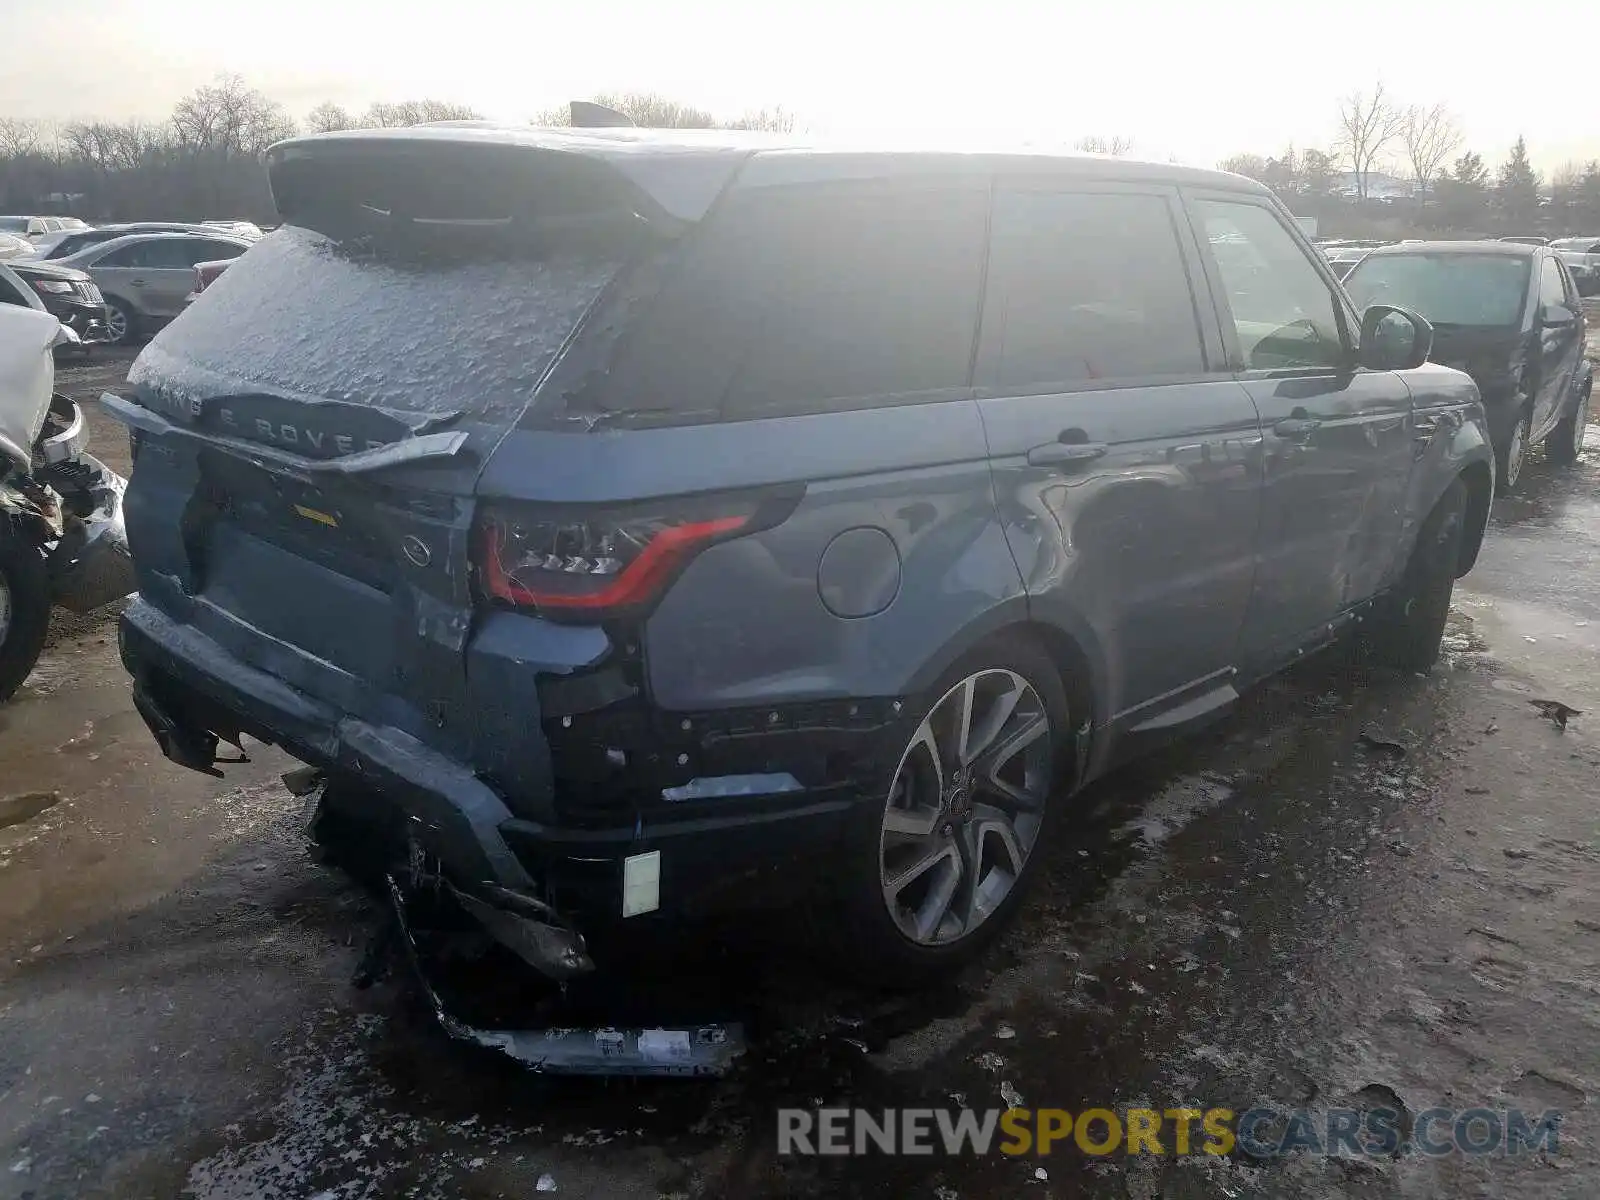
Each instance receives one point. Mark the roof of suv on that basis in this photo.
(684, 170)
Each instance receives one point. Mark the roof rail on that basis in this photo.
(586, 114)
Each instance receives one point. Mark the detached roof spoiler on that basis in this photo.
(586, 114)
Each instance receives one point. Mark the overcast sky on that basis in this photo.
(1195, 81)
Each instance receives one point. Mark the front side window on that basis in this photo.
(1284, 312)
(1088, 286)
(1552, 287)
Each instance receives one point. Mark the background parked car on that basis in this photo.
(244, 229)
(1526, 239)
(205, 274)
(1346, 257)
(32, 228)
(1508, 314)
(146, 277)
(69, 241)
(66, 294)
(12, 246)
(1582, 256)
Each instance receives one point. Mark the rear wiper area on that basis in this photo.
(406, 451)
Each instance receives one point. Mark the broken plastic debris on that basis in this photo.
(1041, 1175)
(1005, 1033)
(709, 1049)
(1010, 1095)
(990, 1061)
(547, 1183)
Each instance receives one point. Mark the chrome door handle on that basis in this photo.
(1063, 454)
(1296, 428)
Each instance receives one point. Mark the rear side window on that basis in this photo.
(1284, 313)
(1086, 286)
(135, 255)
(169, 254)
(812, 300)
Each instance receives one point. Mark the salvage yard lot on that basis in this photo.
(1278, 912)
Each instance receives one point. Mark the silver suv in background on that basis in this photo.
(670, 521)
(1582, 256)
(146, 278)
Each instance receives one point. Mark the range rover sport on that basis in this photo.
(644, 522)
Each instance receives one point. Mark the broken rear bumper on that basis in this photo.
(188, 688)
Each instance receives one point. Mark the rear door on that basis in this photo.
(129, 273)
(1560, 345)
(1126, 458)
(166, 272)
(1338, 443)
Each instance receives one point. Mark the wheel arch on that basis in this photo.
(1479, 478)
(1070, 645)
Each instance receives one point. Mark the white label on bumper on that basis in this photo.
(641, 883)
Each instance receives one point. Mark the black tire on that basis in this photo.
(870, 939)
(1408, 626)
(1564, 443)
(115, 310)
(26, 599)
(1508, 469)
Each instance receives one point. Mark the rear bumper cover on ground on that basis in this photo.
(187, 686)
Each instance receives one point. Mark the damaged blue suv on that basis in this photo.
(634, 524)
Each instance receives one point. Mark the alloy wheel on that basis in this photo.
(116, 324)
(1516, 451)
(965, 807)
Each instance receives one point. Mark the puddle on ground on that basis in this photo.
(25, 806)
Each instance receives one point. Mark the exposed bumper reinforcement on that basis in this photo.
(703, 1050)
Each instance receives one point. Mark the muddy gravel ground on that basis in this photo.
(1276, 912)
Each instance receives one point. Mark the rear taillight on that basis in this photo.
(596, 565)
(206, 273)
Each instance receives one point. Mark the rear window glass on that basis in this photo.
(1447, 289)
(811, 300)
(425, 333)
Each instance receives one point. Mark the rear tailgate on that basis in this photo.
(309, 435)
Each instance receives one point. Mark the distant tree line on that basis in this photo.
(205, 161)
(1445, 190)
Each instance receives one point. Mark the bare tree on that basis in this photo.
(328, 117)
(416, 112)
(1254, 166)
(19, 137)
(1366, 126)
(1430, 137)
(1098, 144)
(773, 120)
(657, 112)
(230, 118)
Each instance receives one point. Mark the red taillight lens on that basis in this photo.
(596, 565)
